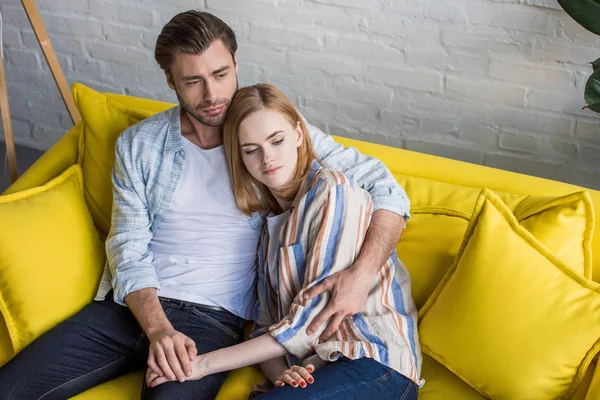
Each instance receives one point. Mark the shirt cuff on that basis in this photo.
(132, 285)
(395, 204)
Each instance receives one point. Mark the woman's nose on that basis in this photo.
(267, 157)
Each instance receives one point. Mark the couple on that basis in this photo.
(331, 303)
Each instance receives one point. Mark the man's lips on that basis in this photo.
(271, 171)
(214, 110)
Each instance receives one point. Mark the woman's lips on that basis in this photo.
(271, 171)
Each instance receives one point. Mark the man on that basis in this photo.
(181, 255)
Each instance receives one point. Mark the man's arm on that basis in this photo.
(170, 351)
(350, 288)
(134, 277)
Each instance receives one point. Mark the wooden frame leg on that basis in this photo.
(8, 135)
(59, 77)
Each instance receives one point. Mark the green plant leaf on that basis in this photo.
(585, 12)
(592, 92)
(596, 64)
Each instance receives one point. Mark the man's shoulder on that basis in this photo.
(147, 131)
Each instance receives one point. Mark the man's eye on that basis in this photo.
(278, 142)
(251, 151)
(189, 83)
(221, 76)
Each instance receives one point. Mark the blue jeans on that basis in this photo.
(104, 341)
(348, 379)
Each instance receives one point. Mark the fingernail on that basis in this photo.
(188, 373)
(310, 380)
(294, 384)
(303, 384)
(281, 384)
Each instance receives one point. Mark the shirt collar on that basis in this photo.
(173, 141)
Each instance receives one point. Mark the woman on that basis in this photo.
(316, 226)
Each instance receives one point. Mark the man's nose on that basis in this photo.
(209, 91)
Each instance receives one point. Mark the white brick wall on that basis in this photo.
(495, 82)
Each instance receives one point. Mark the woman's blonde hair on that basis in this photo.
(250, 194)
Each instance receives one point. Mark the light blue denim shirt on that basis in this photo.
(148, 166)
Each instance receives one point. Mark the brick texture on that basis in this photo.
(494, 82)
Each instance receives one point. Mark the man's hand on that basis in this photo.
(170, 355)
(350, 288)
(198, 370)
(349, 291)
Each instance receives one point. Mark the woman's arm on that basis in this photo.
(254, 351)
(330, 223)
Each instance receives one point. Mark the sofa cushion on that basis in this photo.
(51, 257)
(103, 121)
(441, 213)
(237, 386)
(509, 318)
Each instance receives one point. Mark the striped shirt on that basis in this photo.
(323, 235)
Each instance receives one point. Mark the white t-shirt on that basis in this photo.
(205, 250)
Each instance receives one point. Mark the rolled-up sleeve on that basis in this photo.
(370, 173)
(127, 245)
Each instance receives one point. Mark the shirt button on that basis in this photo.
(181, 152)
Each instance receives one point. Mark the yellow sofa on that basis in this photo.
(431, 183)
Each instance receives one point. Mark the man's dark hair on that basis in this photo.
(191, 32)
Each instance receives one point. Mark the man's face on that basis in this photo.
(205, 83)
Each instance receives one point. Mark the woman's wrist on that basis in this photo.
(201, 366)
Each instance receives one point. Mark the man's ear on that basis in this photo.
(169, 79)
(235, 63)
(299, 134)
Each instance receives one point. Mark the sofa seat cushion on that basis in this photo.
(238, 385)
(509, 317)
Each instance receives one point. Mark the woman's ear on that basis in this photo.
(299, 134)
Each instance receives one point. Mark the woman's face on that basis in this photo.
(269, 147)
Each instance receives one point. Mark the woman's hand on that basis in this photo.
(199, 371)
(296, 376)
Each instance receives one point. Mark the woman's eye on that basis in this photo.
(250, 151)
(278, 142)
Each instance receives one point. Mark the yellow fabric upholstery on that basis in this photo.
(61, 269)
(509, 317)
(51, 164)
(419, 173)
(443, 170)
(441, 212)
(103, 122)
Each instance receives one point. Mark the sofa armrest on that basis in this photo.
(52, 163)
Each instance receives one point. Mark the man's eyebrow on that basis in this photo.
(222, 69)
(254, 144)
(192, 77)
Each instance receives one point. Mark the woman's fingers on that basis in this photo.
(158, 381)
(303, 372)
(289, 380)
